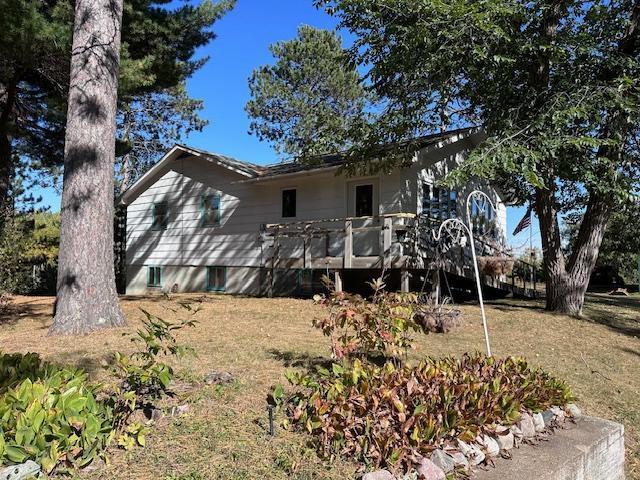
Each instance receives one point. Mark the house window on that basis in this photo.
(364, 200)
(210, 210)
(439, 203)
(289, 203)
(216, 279)
(154, 276)
(160, 216)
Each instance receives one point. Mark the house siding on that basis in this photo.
(185, 248)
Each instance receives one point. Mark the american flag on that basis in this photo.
(524, 223)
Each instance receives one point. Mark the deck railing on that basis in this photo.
(404, 241)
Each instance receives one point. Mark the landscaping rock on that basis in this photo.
(559, 414)
(179, 410)
(548, 416)
(573, 410)
(488, 445)
(443, 460)
(218, 378)
(517, 435)
(538, 422)
(505, 438)
(379, 475)
(459, 460)
(474, 455)
(28, 469)
(526, 425)
(427, 470)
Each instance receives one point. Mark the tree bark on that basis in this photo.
(6, 151)
(567, 282)
(86, 289)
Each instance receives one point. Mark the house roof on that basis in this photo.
(254, 173)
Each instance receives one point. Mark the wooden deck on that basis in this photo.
(400, 242)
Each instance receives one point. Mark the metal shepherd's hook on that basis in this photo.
(455, 228)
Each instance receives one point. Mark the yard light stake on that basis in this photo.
(272, 430)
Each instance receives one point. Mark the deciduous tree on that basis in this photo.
(554, 83)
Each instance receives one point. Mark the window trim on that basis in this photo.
(295, 205)
(158, 285)
(224, 276)
(218, 221)
(154, 215)
(350, 191)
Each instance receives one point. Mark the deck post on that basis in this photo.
(404, 280)
(435, 279)
(348, 244)
(338, 282)
(385, 247)
(307, 251)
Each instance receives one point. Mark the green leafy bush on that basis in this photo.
(143, 376)
(384, 416)
(56, 417)
(50, 414)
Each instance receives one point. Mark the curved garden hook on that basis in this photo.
(456, 230)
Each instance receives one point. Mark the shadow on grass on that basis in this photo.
(81, 359)
(514, 305)
(295, 359)
(598, 309)
(630, 351)
(290, 358)
(35, 309)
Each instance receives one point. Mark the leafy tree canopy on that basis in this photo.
(554, 83)
(544, 79)
(310, 101)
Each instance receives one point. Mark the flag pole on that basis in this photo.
(531, 253)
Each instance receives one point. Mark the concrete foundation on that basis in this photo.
(591, 449)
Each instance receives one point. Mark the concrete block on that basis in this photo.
(591, 449)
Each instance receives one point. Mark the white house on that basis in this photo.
(199, 221)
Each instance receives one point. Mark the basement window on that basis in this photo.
(154, 276)
(216, 279)
(160, 216)
(210, 210)
(289, 203)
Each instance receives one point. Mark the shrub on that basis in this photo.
(143, 376)
(387, 416)
(56, 417)
(381, 326)
(50, 414)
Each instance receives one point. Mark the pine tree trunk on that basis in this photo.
(86, 296)
(6, 174)
(6, 151)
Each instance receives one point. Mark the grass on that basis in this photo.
(225, 433)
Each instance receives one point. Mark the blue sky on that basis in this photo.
(244, 36)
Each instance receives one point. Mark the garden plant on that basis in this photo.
(372, 404)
